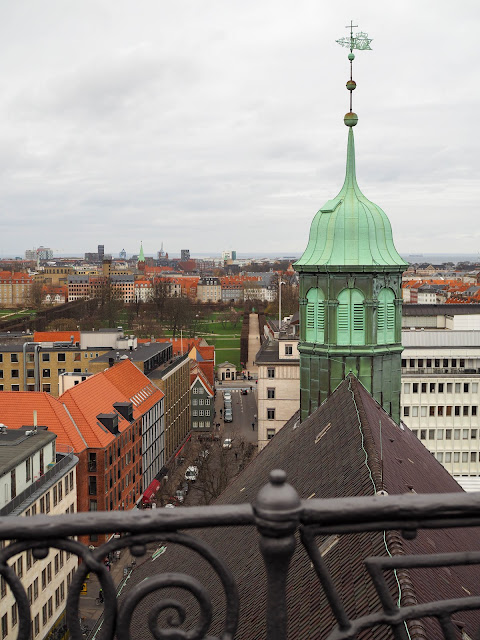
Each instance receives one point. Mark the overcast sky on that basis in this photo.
(218, 124)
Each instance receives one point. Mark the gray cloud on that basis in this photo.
(214, 125)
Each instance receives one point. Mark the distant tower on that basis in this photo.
(161, 253)
(141, 259)
(123, 254)
(350, 291)
(101, 252)
(185, 255)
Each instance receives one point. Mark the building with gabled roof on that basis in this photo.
(348, 447)
(202, 396)
(114, 423)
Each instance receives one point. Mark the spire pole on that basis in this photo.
(359, 41)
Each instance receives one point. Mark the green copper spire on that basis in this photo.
(350, 230)
(141, 257)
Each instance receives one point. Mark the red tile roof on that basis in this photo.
(56, 336)
(17, 407)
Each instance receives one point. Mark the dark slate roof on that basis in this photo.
(334, 453)
(439, 309)
(269, 353)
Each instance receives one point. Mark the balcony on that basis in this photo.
(283, 522)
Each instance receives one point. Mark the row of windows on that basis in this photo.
(350, 317)
(439, 434)
(201, 412)
(200, 424)
(437, 363)
(440, 387)
(57, 492)
(201, 401)
(457, 456)
(440, 411)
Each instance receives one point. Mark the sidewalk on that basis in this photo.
(90, 612)
(253, 344)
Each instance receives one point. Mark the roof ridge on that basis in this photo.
(392, 539)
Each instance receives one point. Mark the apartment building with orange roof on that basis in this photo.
(57, 336)
(114, 422)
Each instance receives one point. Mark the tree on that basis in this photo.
(110, 302)
(63, 324)
(159, 297)
(179, 314)
(234, 317)
(34, 298)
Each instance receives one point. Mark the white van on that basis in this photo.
(191, 474)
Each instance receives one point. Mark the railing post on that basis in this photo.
(277, 509)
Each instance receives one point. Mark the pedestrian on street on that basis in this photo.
(253, 426)
(221, 410)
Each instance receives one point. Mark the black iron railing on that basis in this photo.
(279, 515)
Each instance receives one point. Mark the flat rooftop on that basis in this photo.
(16, 446)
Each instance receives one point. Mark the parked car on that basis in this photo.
(204, 454)
(244, 392)
(191, 474)
(228, 415)
(227, 443)
(228, 405)
(227, 396)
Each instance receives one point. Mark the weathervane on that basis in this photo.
(359, 41)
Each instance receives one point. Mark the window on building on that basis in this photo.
(449, 387)
(457, 387)
(412, 363)
(14, 614)
(423, 434)
(456, 456)
(386, 317)
(414, 412)
(44, 614)
(46, 373)
(15, 387)
(415, 387)
(406, 387)
(14, 357)
(406, 411)
(92, 505)
(439, 411)
(271, 372)
(465, 456)
(271, 393)
(440, 387)
(465, 387)
(404, 363)
(473, 434)
(423, 412)
(350, 317)
(429, 363)
(431, 434)
(474, 387)
(46, 387)
(424, 387)
(457, 410)
(473, 456)
(15, 373)
(432, 387)
(465, 410)
(465, 434)
(60, 357)
(448, 411)
(431, 411)
(456, 434)
(4, 626)
(270, 433)
(270, 414)
(439, 434)
(474, 410)
(440, 456)
(445, 362)
(448, 456)
(45, 357)
(288, 350)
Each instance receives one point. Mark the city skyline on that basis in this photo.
(225, 124)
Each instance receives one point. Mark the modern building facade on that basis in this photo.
(202, 401)
(173, 378)
(441, 397)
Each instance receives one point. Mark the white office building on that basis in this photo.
(440, 398)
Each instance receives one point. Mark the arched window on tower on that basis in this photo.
(386, 317)
(351, 317)
(315, 320)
